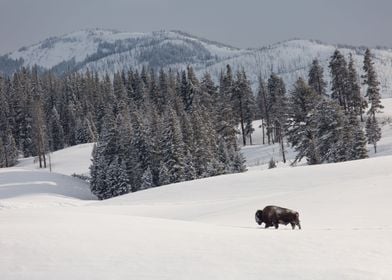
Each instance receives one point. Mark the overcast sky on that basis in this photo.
(241, 23)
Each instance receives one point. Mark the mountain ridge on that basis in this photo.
(107, 51)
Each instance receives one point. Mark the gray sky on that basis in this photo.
(241, 23)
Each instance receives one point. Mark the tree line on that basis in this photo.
(150, 128)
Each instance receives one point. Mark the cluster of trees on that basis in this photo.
(151, 128)
(41, 113)
(154, 128)
(168, 128)
(321, 127)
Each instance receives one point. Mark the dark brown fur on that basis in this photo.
(275, 215)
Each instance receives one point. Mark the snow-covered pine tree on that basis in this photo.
(147, 180)
(346, 146)
(172, 146)
(3, 157)
(140, 148)
(208, 97)
(226, 121)
(105, 153)
(301, 132)
(56, 131)
(373, 131)
(164, 176)
(116, 180)
(278, 109)
(25, 119)
(186, 91)
(97, 171)
(278, 106)
(329, 119)
(8, 150)
(356, 102)
(339, 73)
(316, 78)
(40, 138)
(359, 149)
(243, 104)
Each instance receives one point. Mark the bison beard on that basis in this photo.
(275, 215)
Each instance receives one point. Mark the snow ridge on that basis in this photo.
(108, 51)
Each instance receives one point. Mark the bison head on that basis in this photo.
(258, 217)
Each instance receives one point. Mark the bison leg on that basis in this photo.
(292, 225)
(299, 225)
(276, 225)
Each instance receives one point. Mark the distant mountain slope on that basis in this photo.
(108, 51)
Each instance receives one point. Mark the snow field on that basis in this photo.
(206, 229)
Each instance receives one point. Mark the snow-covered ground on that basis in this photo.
(52, 228)
(204, 229)
(72, 160)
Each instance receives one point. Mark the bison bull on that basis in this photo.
(274, 215)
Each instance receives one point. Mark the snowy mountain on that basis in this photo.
(107, 51)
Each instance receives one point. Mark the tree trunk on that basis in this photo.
(243, 132)
(283, 152)
(39, 159)
(44, 160)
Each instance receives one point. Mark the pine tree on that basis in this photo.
(8, 151)
(278, 109)
(56, 131)
(339, 73)
(226, 122)
(105, 155)
(243, 104)
(97, 171)
(116, 180)
(301, 129)
(373, 131)
(147, 180)
(238, 164)
(356, 103)
(3, 159)
(316, 78)
(173, 149)
(164, 176)
(186, 91)
(359, 149)
(329, 120)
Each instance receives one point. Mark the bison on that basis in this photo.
(275, 215)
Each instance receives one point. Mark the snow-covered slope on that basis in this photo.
(23, 188)
(205, 229)
(107, 51)
(69, 161)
